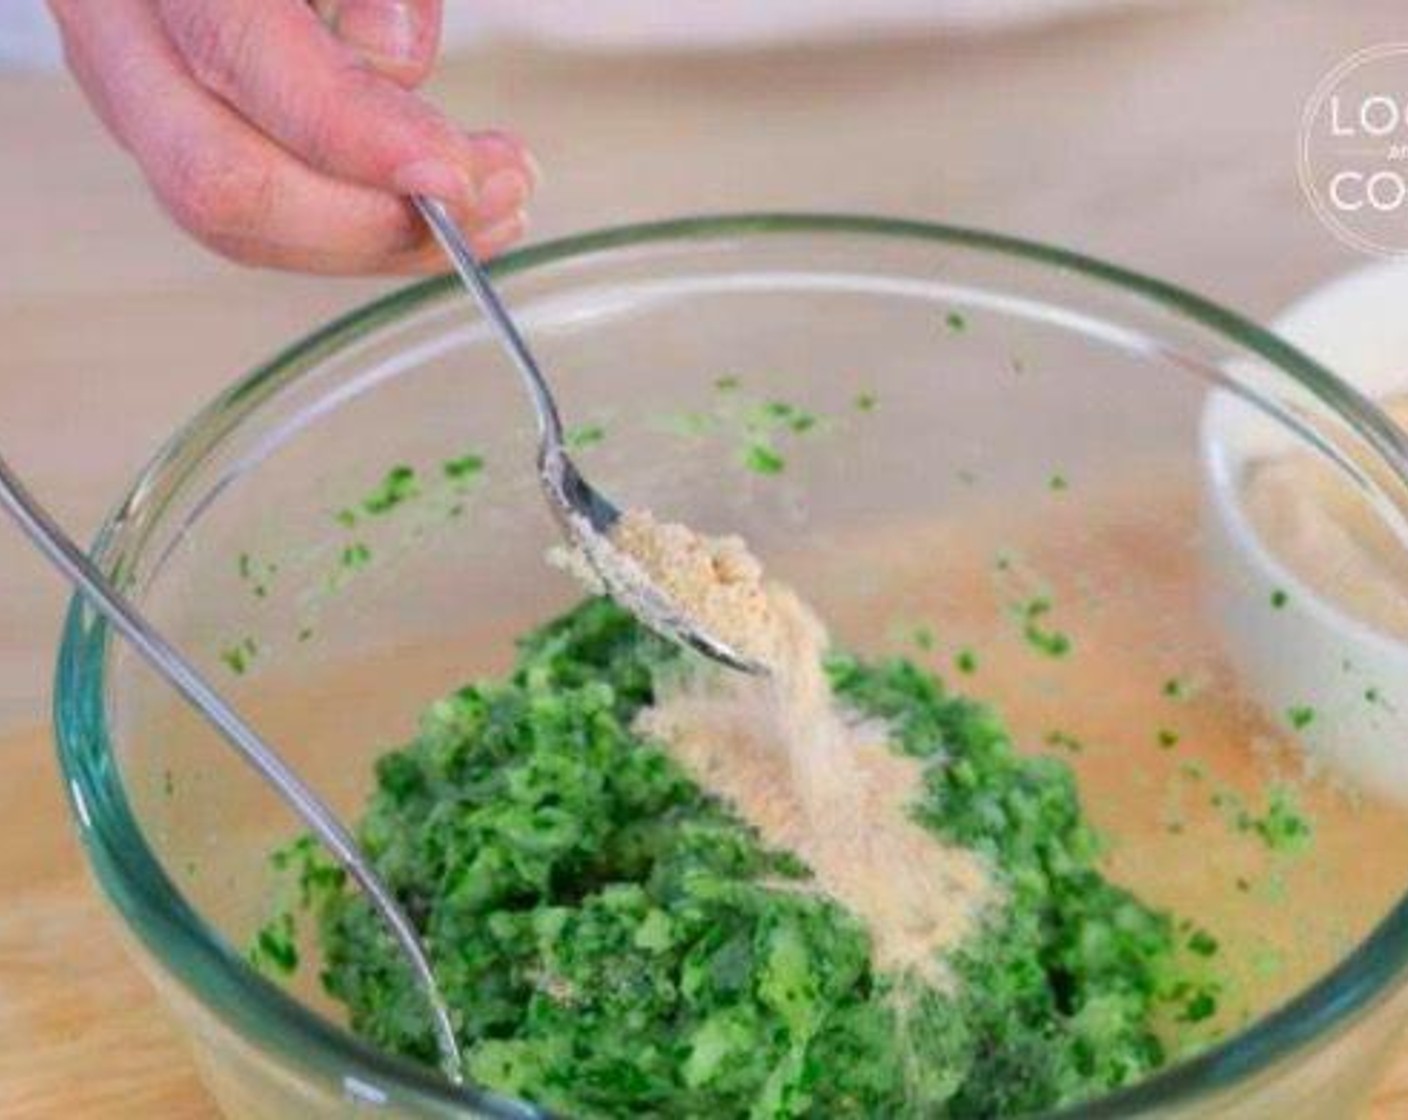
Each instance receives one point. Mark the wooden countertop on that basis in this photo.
(84, 1034)
(1163, 140)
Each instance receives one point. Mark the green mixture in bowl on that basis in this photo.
(614, 939)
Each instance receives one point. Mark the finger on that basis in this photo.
(487, 243)
(229, 185)
(500, 236)
(398, 38)
(426, 258)
(278, 65)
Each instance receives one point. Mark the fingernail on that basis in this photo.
(435, 178)
(387, 29)
(502, 194)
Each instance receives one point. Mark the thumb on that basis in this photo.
(398, 38)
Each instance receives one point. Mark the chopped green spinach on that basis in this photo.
(614, 940)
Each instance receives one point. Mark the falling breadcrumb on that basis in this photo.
(809, 776)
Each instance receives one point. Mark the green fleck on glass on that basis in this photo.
(1300, 716)
(399, 486)
(463, 468)
(956, 322)
(1053, 643)
(775, 415)
(356, 556)
(762, 458)
(1279, 599)
(1065, 741)
(727, 384)
(1202, 943)
(966, 662)
(585, 435)
(239, 656)
(1057, 482)
(866, 402)
(275, 950)
(1202, 1005)
(923, 638)
(1176, 688)
(1168, 739)
(1042, 638)
(250, 573)
(1284, 827)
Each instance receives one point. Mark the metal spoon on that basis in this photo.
(73, 563)
(585, 514)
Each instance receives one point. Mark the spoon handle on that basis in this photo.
(457, 248)
(65, 555)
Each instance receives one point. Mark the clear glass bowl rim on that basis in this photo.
(266, 1018)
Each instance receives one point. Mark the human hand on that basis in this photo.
(288, 135)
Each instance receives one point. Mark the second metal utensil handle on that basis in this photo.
(61, 551)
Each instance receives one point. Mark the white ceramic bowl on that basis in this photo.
(1312, 653)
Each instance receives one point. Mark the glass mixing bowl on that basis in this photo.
(987, 419)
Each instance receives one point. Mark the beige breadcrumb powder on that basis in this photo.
(810, 777)
(1327, 532)
(716, 580)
